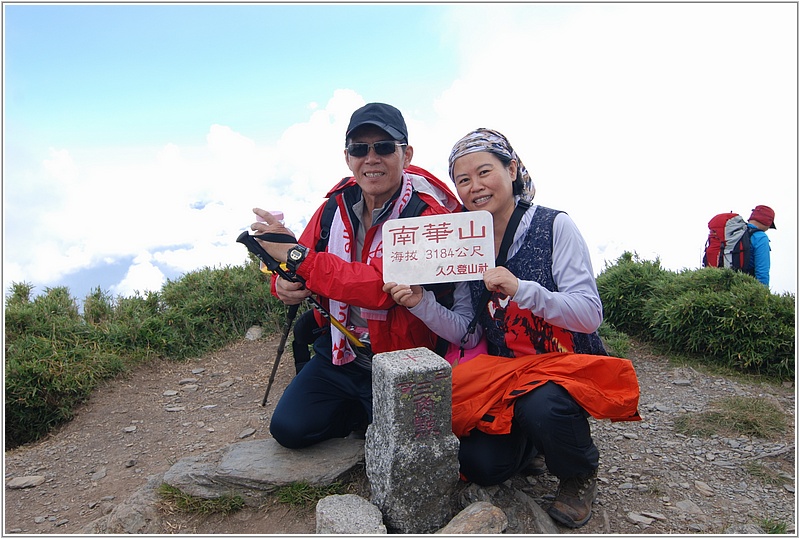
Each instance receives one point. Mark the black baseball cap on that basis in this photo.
(381, 115)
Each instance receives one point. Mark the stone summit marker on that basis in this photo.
(411, 452)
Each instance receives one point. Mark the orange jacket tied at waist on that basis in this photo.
(485, 387)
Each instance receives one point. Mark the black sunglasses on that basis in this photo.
(383, 147)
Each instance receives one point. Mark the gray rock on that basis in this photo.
(689, 506)
(29, 481)
(478, 518)
(249, 431)
(535, 518)
(638, 518)
(348, 514)
(254, 333)
(253, 467)
(137, 514)
(704, 488)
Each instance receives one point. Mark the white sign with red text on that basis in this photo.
(438, 248)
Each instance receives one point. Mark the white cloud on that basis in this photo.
(142, 276)
(178, 206)
(60, 166)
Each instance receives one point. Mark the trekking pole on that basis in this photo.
(273, 265)
(290, 315)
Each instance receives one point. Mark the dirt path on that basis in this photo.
(141, 424)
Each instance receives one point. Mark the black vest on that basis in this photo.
(533, 262)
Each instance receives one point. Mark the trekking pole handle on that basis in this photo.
(249, 241)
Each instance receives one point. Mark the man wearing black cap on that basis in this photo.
(762, 219)
(339, 259)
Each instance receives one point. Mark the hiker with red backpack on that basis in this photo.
(339, 260)
(523, 407)
(740, 245)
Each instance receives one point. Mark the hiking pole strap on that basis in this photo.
(274, 237)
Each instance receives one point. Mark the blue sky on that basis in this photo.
(138, 137)
(143, 74)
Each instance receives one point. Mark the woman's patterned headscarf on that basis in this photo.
(488, 140)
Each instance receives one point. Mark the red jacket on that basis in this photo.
(484, 388)
(361, 284)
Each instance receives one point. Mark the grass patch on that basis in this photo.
(301, 494)
(772, 526)
(655, 488)
(763, 473)
(185, 503)
(735, 416)
(706, 365)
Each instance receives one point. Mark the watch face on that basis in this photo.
(295, 254)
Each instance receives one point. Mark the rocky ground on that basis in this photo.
(652, 480)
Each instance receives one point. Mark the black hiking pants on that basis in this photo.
(548, 421)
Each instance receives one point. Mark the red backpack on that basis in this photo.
(728, 244)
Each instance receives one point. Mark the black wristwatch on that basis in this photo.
(295, 256)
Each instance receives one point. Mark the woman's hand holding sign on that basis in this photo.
(501, 280)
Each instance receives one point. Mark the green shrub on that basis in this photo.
(617, 343)
(208, 308)
(136, 325)
(724, 317)
(625, 289)
(53, 314)
(98, 307)
(46, 380)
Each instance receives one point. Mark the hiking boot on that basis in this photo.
(573, 505)
(536, 466)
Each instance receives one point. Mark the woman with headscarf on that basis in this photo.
(542, 309)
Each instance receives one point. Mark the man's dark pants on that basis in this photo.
(323, 401)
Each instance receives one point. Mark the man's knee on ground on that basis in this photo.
(287, 433)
